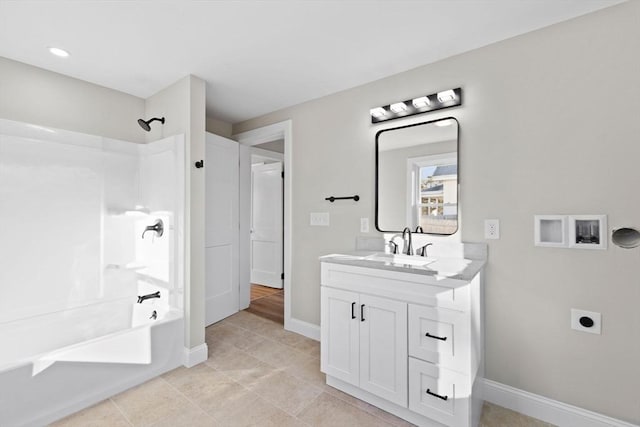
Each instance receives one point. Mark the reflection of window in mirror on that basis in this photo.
(432, 186)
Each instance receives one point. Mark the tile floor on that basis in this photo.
(257, 374)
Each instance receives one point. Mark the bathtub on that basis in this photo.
(55, 364)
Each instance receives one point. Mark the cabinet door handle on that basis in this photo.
(429, 392)
(353, 310)
(362, 312)
(435, 337)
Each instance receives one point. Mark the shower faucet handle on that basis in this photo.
(157, 226)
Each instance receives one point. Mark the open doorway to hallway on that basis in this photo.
(266, 250)
(266, 139)
(267, 302)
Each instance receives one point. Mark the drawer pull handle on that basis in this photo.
(353, 310)
(362, 312)
(437, 395)
(435, 337)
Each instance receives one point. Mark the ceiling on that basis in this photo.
(261, 56)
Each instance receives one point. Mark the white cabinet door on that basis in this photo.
(339, 334)
(266, 225)
(221, 228)
(383, 348)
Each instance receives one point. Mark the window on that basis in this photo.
(433, 193)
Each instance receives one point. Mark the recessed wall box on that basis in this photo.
(550, 230)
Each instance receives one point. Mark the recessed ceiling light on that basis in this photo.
(59, 52)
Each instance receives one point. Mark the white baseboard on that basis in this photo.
(309, 330)
(195, 356)
(545, 409)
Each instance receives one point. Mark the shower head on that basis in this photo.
(144, 124)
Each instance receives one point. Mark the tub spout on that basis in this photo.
(148, 296)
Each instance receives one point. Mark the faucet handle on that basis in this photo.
(423, 249)
(394, 247)
(157, 227)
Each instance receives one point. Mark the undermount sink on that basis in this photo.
(401, 259)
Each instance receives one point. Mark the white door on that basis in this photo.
(383, 348)
(266, 225)
(222, 176)
(340, 320)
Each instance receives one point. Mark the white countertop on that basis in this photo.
(439, 267)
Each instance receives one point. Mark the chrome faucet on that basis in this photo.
(408, 247)
(148, 296)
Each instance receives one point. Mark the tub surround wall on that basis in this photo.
(537, 114)
(73, 208)
(33, 95)
(66, 206)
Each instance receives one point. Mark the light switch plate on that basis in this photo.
(319, 219)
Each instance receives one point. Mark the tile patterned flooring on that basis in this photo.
(257, 374)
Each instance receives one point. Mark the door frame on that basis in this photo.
(274, 132)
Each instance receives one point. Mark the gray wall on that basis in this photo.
(549, 125)
(183, 106)
(218, 127)
(34, 95)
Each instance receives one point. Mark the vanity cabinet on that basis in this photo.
(365, 342)
(408, 343)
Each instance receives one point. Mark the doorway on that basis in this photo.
(266, 231)
(267, 137)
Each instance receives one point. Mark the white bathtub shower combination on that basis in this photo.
(73, 262)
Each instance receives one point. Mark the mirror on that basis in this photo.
(417, 177)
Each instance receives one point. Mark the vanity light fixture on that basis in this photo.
(422, 104)
(398, 107)
(446, 96)
(378, 112)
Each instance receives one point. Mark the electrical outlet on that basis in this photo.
(364, 225)
(491, 229)
(319, 219)
(586, 321)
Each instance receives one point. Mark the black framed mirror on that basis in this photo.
(417, 183)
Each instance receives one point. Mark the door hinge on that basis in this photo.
(282, 276)
(282, 174)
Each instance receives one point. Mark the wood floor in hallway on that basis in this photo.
(267, 303)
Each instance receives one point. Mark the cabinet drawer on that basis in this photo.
(440, 336)
(438, 393)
